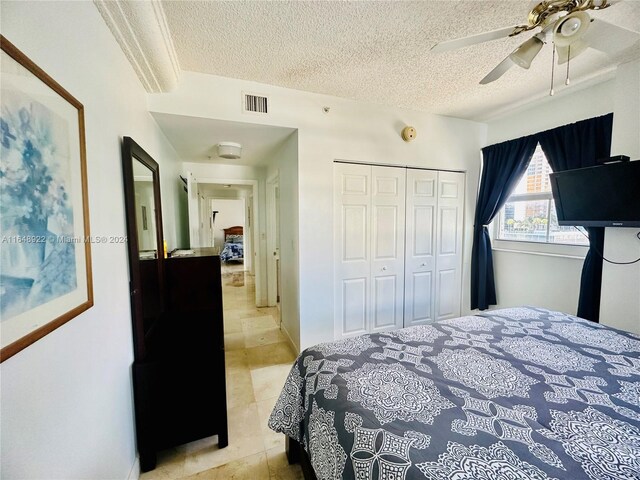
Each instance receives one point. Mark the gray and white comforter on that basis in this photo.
(515, 394)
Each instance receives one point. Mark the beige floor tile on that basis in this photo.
(263, 337)
(268, 381)
(252, 467)
(273, 354)
(270, 438)
(232, 325)
(243, 420)
(236, 359)
(279, 468)
(239, 388)
(239, 447)
(265, 407)
(243, 424)
(273, 311)
(252, 324)
(170, 465)
(233, 341)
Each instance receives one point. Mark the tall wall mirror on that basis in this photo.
(144, 229)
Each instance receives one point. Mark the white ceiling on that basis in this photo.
(378, 51)
(195, 139)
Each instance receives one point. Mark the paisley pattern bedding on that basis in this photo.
(232, 251)
(522, 393)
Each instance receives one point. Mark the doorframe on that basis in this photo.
(258, 251)
(272, 215)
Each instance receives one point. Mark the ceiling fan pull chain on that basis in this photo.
(553, 67)
(567, 81)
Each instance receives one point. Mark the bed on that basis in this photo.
(233, 249)
(522, 393)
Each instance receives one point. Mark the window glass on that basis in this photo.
(530, 214)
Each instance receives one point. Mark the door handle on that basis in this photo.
(384, 269)
(423, 264)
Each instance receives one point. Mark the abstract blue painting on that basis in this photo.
(36, 215)
(45, 262)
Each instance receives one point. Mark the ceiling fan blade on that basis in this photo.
(497, 72)
(609, 38)
(472, 40)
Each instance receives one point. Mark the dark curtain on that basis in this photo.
(580, 145)
(502, 166)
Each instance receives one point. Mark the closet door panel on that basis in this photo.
(354, 305)
(450, 213)
(420, 256)
(385, 306)
(387, 247)
(418, 298)
(352, 231)
(449, 294)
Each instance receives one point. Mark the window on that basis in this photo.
(530, 213)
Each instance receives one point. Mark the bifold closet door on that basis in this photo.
(369, 207)
(387, 248)
(433, 266)
(420, 259)
(448, 276)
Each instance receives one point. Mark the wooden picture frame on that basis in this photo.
(45, 251)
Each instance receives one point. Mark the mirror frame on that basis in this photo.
(132, 151)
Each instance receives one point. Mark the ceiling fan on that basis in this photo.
(565, 23)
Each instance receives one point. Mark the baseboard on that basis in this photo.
(134, 474)
(291, 342)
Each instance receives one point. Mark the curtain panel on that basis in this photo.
(502, 166)
(580, 145)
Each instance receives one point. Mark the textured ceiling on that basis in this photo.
(378, 51)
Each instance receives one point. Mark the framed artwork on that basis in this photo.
(45, 252)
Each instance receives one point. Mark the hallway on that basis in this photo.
(258, 359)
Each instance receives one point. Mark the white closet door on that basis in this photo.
(352, 241)
(420, 264)
(387, 248)
(449, 244)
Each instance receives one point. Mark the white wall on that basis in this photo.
(620, 300)
(350, 131)
(230, 214)
(66, 401)
(285, 164)
(551, 281)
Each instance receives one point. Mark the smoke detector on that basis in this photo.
(230, 150)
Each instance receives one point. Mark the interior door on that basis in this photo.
(352, 229)
(449, 244)
(387, 248)
(193, 209)
(420, 255)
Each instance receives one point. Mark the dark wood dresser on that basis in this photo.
(180, 392)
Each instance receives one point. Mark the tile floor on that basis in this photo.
(258, 359)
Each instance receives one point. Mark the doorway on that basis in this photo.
(229, 203)
(273, 241)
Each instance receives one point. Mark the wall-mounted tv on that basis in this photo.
(603, 196)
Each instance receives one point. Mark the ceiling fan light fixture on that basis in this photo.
(571, 28)
(230, 150)
(525, 53)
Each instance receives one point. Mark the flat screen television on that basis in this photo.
(602, 196)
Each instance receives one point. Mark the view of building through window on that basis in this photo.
(530, 214)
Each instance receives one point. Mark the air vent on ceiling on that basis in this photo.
(254, 103)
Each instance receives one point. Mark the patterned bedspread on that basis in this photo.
(522, 393)
(232, 251)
